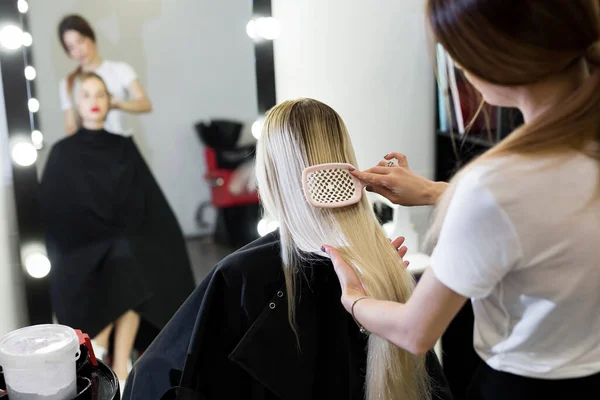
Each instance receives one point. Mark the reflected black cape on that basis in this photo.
(112, 238)
(232, 340)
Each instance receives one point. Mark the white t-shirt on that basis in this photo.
(117, 76)
(522, 238)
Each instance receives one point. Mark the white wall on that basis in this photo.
(370, 61)
(194, 59)
(12, 300)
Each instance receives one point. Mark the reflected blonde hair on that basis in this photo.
(305, 132)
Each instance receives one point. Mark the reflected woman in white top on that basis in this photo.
(127, 94)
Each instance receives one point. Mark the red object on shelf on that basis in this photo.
(219, 179)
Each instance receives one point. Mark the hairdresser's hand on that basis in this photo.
(114, 103)
(352, 289)
(399, 184)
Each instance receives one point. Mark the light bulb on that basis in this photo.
(37, 265)
(30, 73)
(266, 226)
(268, 28)
(27, 39)
(261, 228)
(257, 128)
(272, 226)
(37, 137)
(11, 37)
(34, 105)
(251, 29)
(24, 154)
(23, 6)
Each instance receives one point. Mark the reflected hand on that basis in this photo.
(399, 184)
(114, 103)
(352, 288)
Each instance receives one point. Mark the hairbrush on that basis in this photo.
(331, 185)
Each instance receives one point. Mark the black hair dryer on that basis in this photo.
(95, 380)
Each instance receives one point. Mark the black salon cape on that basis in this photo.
(235, 334)
(112, 238)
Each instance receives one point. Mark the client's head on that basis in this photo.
(93, 100)
(298, 134)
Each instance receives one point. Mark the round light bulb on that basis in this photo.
(266, 226)
(24, 154)
(34, 105)
(37, 265)
(11, 37)
(268, 28)
(251, 29)
(27, 39)
(30, 73)
(272, 226)
(37, 137)
(23, 6)
(257, 128)
(261, 228)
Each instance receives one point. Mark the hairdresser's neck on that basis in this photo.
(93, 65)
(93, 125)
(537, 98)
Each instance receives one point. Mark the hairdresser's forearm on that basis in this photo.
(417, 325)
(137, 106)
(392, 321)
(435, 192)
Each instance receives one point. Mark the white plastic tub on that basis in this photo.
(39, 362)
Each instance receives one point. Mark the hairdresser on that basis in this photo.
(126, 93)
(518, 230)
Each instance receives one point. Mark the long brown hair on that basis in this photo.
(522, 42)
(79, 24)
(305, 132)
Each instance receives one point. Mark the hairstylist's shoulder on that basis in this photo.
(477, 243)
(497, 186)
(125, 71)
(475, 178)
(496, 176)
(518, 183)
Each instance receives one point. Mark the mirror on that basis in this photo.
(181, 85)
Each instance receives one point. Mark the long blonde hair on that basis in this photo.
(521, 44)
(305, 132)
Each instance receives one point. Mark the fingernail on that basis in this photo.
(323, 249)
(352, 169)
(369, 189)
(385, 155)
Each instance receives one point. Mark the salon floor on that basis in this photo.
(204, 254)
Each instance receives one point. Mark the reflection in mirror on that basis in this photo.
(109, 233)
(144, 149)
